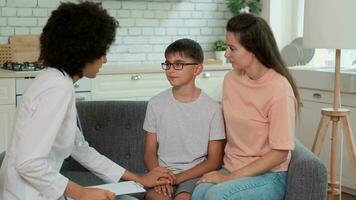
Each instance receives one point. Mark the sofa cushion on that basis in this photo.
(113, 128)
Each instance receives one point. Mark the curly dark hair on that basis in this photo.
(76, 34)
(186, 47)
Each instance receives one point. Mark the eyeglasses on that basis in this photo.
(176, 66)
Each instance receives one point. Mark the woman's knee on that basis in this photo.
(200, 190)
(221, 192)
(215, 192)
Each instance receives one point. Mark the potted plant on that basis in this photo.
(244, 6)
(220, 48)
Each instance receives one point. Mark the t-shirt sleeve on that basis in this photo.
(282, 123)
(217, 127)
(150, 123)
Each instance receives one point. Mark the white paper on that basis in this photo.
(125, 187)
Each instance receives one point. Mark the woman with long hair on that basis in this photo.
(260, 102)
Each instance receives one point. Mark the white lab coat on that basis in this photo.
(44, 135)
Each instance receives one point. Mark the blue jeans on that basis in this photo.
(125, 197)
(267, 186)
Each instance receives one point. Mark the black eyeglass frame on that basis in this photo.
(176, 66)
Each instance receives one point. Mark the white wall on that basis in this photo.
(146, 26)
(284, 19)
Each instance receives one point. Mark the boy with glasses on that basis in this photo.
(185, 128)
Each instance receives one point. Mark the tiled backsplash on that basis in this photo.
(146, 26)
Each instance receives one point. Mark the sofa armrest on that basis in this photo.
(307, 176)
(2, 156)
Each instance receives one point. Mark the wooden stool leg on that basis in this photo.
(320, 135)
(333, 184)
(350, 145)
(335, 115)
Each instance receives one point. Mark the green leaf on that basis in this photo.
(235, 6)
(220, 45)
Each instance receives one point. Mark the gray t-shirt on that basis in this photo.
(183, 129)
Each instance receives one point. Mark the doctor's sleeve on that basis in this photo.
(97, 163)
(38, 125)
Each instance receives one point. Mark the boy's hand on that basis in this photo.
(152, 178)
(166, 190)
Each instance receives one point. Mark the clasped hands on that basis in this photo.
(157, 176)
(167, 189)
(166, 183)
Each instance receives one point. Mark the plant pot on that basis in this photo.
(219, 55)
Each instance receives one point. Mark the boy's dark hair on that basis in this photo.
(76, 34)
(186, 48)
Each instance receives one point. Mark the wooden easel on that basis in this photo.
(335, 115)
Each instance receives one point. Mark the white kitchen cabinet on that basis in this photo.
(7, 113)
(142, 85)
(82, 88)
(211, 83)
(7, 91)
(130, 86)
(11, 90)
(310, 114)
(7, 110)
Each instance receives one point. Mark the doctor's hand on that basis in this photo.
(77, 192)
(152, 178)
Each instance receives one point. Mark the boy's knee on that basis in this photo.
(152, 195)
(183, 196)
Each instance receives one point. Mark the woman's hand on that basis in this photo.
(95, 194)
(214, 177)
(153, 178)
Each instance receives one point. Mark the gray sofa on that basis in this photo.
(114, 128)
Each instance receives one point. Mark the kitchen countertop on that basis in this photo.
(108, 69)
(322, 78)
(14, 74)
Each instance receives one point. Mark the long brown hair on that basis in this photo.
(256, 36)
